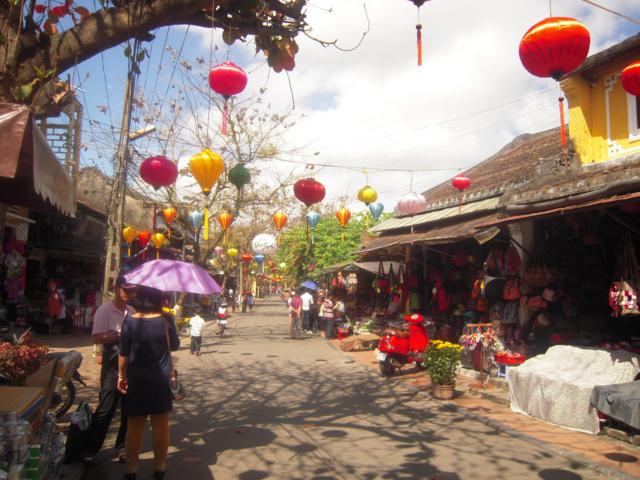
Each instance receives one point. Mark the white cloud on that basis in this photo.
(374, 107)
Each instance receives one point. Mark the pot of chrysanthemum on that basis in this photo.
(441, 360)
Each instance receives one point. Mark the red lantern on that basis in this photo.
(554, 47)
(309, 191)
(631, 79)
(227, 79)
(246, 257)
(461, 182)
(144, 237)
(159, 171)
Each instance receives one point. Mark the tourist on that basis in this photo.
(196, 323)
(329, 317)
(144, 376)
(107, 324)
(307, 301)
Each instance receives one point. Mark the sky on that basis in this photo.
(371, 110)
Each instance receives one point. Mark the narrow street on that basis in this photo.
(261, 405)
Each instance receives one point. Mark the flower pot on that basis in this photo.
(442, 392)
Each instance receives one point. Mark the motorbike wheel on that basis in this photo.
(386, 369)
(62, 400)
(421, 366)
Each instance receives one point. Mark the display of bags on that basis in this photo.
(536, 303)
(513, 261)
(623, 294)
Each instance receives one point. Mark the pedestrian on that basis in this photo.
(144, 375)
(307, 301)
(197, 326)
(107, 325)
(295, 308)
(232, 300)
(244, 302)
(329, 317)
(250, 300)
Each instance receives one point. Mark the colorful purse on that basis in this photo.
(511, 290)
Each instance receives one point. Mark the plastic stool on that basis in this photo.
(503, 371)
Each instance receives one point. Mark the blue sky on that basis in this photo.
(374, 107)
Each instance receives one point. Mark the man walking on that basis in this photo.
(307, 301)
(107, 323)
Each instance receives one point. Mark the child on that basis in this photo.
(222, 318)
(197, 325)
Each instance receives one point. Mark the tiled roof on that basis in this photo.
(515, 164)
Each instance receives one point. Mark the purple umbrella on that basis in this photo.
(173, 276)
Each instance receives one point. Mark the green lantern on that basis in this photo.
(239, 175)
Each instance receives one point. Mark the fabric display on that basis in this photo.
(623, 294)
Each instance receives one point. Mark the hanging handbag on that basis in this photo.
(175, 382)
(623, 295)
(511, 290)
(536, 303)
(513, 261)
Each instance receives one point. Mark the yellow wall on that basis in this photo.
(598, 116)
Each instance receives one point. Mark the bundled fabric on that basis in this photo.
(556, 387)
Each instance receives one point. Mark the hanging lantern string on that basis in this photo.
(563, 132)
(419, 38)
(594, 4)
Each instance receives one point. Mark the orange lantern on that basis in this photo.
(129, 234)
(343, 215)
(225, 219)
(206, 167)
(169, 214)
(280, 220)
(158, 240)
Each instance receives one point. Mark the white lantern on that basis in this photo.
(411, 203)
(264, 244)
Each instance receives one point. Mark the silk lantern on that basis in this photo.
(206, 167)
(367, 195)
(195, 220)
(280, 220)
(630, 78)
(158, 171)
(411, 203)
(143, 238)
(552, 48)
(309, 191)
(264, 244)
(259, 259)
(158, 240)
(343, 215)
(232, 252)
(239, 175)
(246, 257)
(312, 220)
(461, 183)
(227, 79)
(225, 220)
(169, 214)
(376, 210)
(129, 235)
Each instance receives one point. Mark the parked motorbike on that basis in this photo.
(222, 319)
(66, 373)
(402, 344)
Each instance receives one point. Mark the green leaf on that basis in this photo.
(24, 91)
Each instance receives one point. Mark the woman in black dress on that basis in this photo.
(143, 374)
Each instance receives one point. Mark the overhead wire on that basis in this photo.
(609, 10)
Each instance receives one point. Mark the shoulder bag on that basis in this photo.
(175, 383)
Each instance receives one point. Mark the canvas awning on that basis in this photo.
(371, 267)
(439, 234)
(30, 174)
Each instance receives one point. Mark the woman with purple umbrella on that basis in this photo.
(144, 370)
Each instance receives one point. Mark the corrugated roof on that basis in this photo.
(515, 164)
(438, 215)
(439, 235)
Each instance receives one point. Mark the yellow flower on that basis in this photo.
(441, 346)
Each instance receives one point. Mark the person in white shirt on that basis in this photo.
(197, 326)
(307, 301)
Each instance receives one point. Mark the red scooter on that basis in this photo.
(400, 346)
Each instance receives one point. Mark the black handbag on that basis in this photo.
(175, 383)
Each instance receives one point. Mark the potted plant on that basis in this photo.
(441, 360)
(19, 361)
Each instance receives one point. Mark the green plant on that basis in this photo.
(441, 360)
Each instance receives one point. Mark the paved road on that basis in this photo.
(261, 405)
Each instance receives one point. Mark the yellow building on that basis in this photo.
(604, 120)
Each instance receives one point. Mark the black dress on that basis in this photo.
(143, 342)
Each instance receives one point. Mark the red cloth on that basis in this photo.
(418, 338)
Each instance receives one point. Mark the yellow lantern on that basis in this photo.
(367, 195)
(232, 252)
(129, 234)
(158, 240)
(206, 167)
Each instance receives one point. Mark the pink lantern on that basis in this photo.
(227, 79)
(411, 203)
(159, 171)
(218, 250)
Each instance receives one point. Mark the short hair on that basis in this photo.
(146, 300)
(120, 281)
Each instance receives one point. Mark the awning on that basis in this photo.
(30, 174)
(371, 267)
(610, 201)
(439, 235)
(466, 209)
